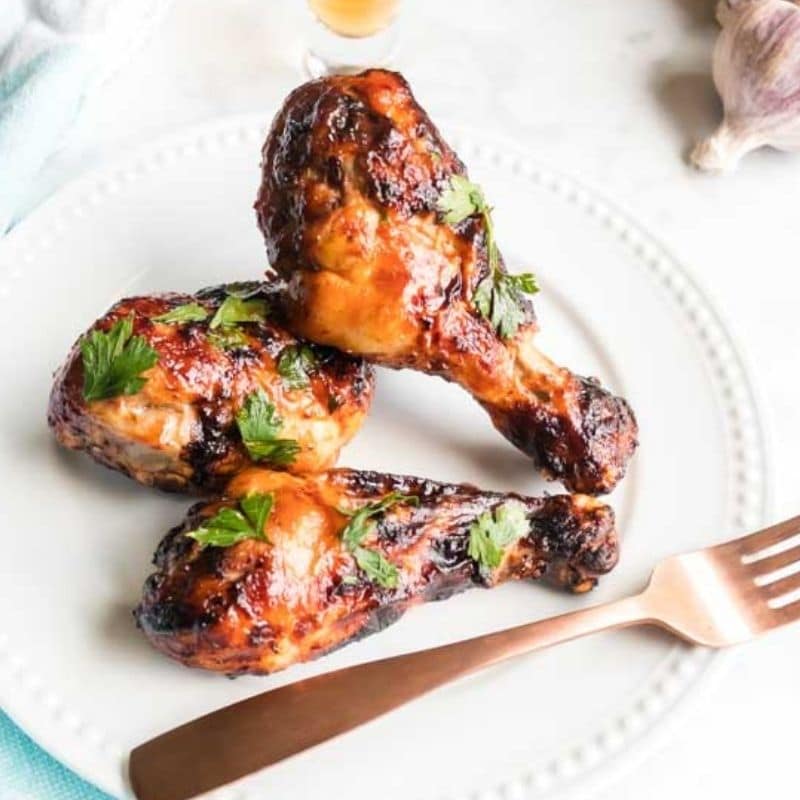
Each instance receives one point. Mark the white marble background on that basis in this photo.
(613, 93)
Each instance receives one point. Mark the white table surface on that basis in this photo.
(613, 93)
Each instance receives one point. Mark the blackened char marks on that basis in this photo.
(332, 133)
(586, 447)
(378, 484)
(260, 606)
(178, 432)
(212, 444)
(567, 540)
(549, 439)
(166, 616)
(353, 173)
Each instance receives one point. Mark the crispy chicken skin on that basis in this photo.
(179, 432)
(258, 607)
(352, 171)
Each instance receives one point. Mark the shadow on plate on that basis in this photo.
(700, 13)
(118, 628)
(508, 467)
(691, 102)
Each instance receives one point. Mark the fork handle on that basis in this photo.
(255, 733)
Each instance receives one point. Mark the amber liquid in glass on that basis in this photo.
(355, 18)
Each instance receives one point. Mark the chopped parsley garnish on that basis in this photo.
(361, 525)
(259, 426)
(243, 289)
(113, 361)
(228, 338)
(235, 310)
(499, 296)
(231, 525)
(294, 364)
(189, 312)
(490, 535)
(224, 330)
(376, 567)
(462, 199)
(499, 299)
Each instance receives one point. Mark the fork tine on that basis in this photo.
(755, 542)
(776, 589)
(785, 615)
(783, 559)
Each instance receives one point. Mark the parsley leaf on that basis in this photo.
(234, 310)
(113, 361)
(376, 567)
(461, 200)
(189, 312)
(499, 299)
(257, 507)
(361, 523)
(228, 338)
(499, 296)
(489, 536)
(294, 364)
(360, 526)
(243, 289)
(259, 426)
(239, 306)
(231, 525)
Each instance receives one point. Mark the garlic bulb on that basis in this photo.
(757, 74)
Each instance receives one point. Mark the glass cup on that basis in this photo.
(351, 35)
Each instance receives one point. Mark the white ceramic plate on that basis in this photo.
(77, 540)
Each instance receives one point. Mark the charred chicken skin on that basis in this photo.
(389, 254)
(183, 391)
(284, 568)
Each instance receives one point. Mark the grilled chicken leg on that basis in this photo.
(351, 208)
(284, 569)
(183, 391)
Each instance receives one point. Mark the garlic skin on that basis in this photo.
(757, 75)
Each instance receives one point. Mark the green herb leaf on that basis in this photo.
(113, 361)
(230, 525)
(229, 338)
(235, 310)
(259, 426)
(490, 535)
(361, 521)
(257, 507)
(224, 331)
(524, 282)
(294, 364)
(461, 200)
(499, 296)
(376, 567)
(189, 312)
(243, 289)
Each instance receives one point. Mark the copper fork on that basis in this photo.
(716, 597)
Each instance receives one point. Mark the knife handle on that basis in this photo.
(250, 735)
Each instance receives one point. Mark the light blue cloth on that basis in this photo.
(53, 54)
(28, 773)
(39, 101)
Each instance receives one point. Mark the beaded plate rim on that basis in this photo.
(600, 754)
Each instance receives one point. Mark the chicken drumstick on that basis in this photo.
(285, 568)
(183, 391)
(389, 253)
